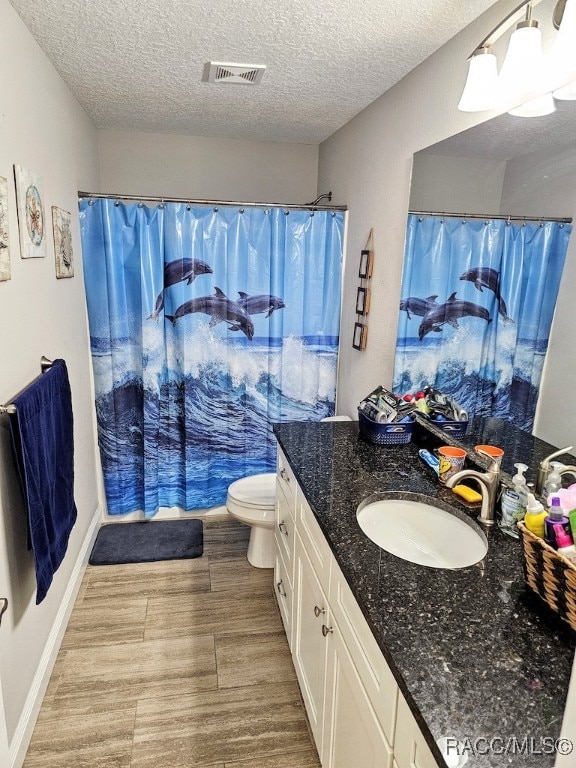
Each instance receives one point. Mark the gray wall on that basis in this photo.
(456, 184)
(44, 129)
(208, 168)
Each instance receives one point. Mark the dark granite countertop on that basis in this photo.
(474, 653)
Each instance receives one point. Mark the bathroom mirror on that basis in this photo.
(520, 167)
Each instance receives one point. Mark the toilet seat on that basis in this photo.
(254, 491)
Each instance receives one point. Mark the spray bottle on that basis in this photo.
(513, 502)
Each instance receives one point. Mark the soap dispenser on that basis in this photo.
(553, 481)
(513, 502)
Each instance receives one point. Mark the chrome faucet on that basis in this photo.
(489, 483)
(566, 469)
(545, 468)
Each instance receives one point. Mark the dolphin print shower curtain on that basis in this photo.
(478, 298)
(206, 326)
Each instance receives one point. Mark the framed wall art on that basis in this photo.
(5, 268)
(62, 242)
(363, 301)
(31, 218)
(366, 264)
(360, 336)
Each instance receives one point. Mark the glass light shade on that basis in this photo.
(522, 67)
(482, 90)
(542, 105)
(565, 42)
(562, 59)
(566, 93)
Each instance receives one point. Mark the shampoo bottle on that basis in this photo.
(555, 517)
(535, 516)
(513, 502)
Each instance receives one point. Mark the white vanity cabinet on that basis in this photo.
(357, 715)
(410, 748)
(309, 646)
(284, 534)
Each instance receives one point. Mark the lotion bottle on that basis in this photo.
(513, 503)
(535, 516)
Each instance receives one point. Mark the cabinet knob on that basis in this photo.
(280, 587)
(284, 475)
(326, 630)
(282, 528)
(318, 611)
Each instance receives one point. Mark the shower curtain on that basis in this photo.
(206, 326)
(478, 298)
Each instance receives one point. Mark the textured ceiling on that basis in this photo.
(139, 64)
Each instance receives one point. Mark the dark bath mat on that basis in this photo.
(118, 543)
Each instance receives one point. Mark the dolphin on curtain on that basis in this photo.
(254, 305)
(221, 310)
(489, 278)
(176, 272)
(415, 306)
(449, 312)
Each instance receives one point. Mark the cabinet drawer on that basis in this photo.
(314, 542)
(370, 664)
(286, 481)
(410, 747)
(284, 533)
(284, 595)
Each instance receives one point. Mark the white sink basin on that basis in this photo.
(422, 533)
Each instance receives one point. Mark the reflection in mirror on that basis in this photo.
(524, 168)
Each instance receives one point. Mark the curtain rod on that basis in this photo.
(564, 220)
(189, 201)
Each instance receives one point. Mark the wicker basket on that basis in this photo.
(396, 433)
(550, 575)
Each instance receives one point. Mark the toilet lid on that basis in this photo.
(256, 490)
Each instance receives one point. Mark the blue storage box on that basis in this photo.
(454, 428)
(396, 433)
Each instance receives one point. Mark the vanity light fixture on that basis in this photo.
(525, 70)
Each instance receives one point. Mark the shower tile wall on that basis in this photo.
(182, 664)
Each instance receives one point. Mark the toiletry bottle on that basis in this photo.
(535, 516)
(555, 517)
(553, 482)
(565, 544)
(513, 502)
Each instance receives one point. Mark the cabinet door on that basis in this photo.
(283, 594)
(410, 747)
(353, 734)
(311, 621)
(284, 533)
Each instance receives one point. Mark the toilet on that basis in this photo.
(252, 501)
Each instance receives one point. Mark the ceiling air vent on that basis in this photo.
(239, 74)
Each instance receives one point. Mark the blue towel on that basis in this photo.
(43, 444)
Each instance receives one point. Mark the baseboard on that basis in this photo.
(167, 513)
(25, 728)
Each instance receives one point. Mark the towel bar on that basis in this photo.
(45, 363)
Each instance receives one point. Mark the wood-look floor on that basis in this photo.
(177, 664)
